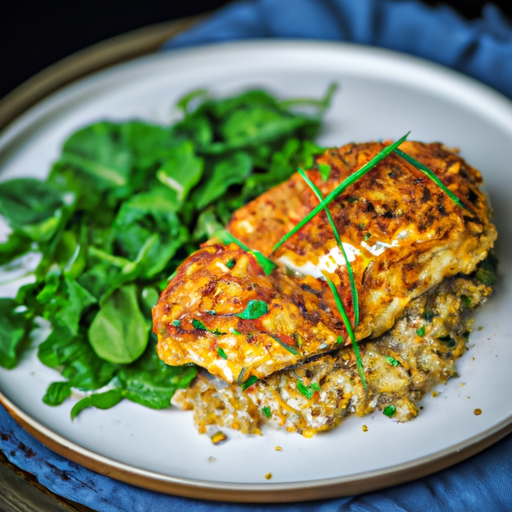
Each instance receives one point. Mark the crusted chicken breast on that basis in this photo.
(402, 235)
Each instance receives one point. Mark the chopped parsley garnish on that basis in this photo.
(266, 411)
(325, 171)
(421, 331)
(392, 361)
(367, 236)
(222, 353)
(232, 330)
(176, 323)
(249, 382)
(316, 386)
(253, 310)
(389, 411)
(339, 340)
(231, 263)
(305, 390)
(466, 301)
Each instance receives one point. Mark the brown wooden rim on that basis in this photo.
(95, 58)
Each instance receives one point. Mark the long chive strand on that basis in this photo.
(428, 172)
(340, 188)
(351, 334)
(353, 289)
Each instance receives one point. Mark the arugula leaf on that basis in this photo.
(119, 331)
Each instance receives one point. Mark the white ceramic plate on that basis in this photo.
(382, 95)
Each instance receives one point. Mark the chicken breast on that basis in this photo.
(402, 235)
(401, 366)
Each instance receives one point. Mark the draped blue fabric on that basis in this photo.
(482, 49)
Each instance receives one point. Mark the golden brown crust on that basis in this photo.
(403, 235)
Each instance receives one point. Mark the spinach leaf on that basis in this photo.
(100, 152)
(151, 382)
(232, 171)
(57, 392)
(15, 326)
(37, 214)
(77, 360)
(104, 400)
(181, 171)
(119, 332)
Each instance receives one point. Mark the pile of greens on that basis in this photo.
(121, 208)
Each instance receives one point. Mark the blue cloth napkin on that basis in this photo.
(481, 48)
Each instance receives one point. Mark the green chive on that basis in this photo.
(249, 382)
(325, 171)
(197, 324)
(304, 390)
(341, 187)
(346, 321)
(222, 353)
(266, 264)
(254, 309)
(176, 323)
(241, 376)
(293, 350)
(266, 411)
(425, 170)
(421, 331)
(353, 289)
(389, 411)
(392, 361)
(231, 263)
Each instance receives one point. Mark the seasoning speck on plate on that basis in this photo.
(278, 449)
(365, 428)
(268, 476)
(477, 412)
(218, 437)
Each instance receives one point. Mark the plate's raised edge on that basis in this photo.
(73, 68)
(90, 60)
(259, 493)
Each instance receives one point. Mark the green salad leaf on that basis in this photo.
(123, 205)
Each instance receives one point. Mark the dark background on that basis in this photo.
(35, 35)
